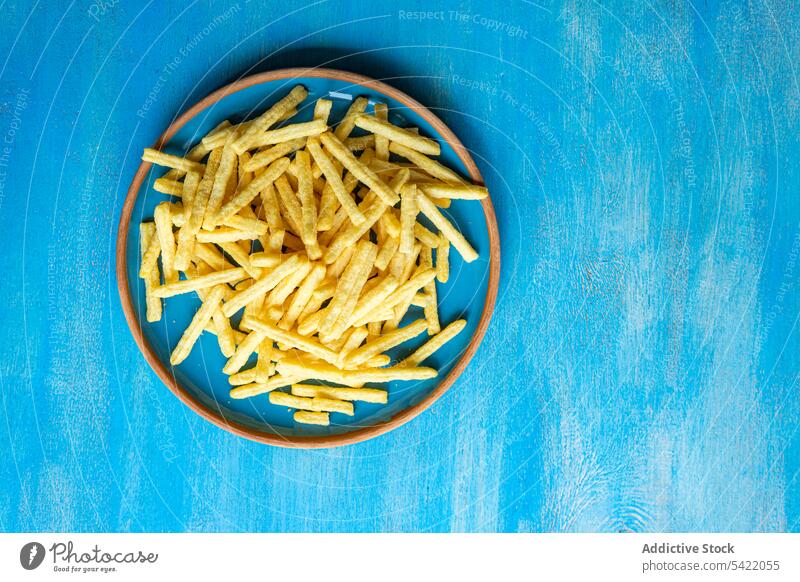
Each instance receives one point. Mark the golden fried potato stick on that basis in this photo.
(347, 123)
(166, 239)
(360, 143)
(460, 191)
(337, 393)
(263, 285)
(246, 195)
(244, 377)
(243, 352)
(264, 259)
(190, 185)
(271, 210)
(356, 167)
(443, 259)
(209, 254)
(226, 169)
(408, 217)
(308, 205)
(254, 389)
(381, 142)
(147, 234)
(308, 417)
(265, 158)
(150, 253)
(196, 212)
(170, 161)
(283, 289)
(264, 367)
(198, 152)
(426, 164)
(303, 296)
(167, 186)
(433, 344)
(431, 303)
(292, 339)
(333, 177)
(293, 365)
(199, 322)
(398, 135)
(253, 225)
(270, 118)
(385, 343)
(386, 252)
(448, 230)
(225, 234)
(322, 109)
(217, 139)
(417, 281)
(348, 290)
(289, 132)
(290, 205)
(316, 404)
(201, 282)
(373, 299)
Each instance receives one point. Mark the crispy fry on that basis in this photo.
(225, 234)
(308, 417)
(316, 404)
(199, 322)
(443, 259)
(373, 299)
(386, 252)
(246, 195)
(254, 389)
(430, 308)
(243, 352)
(167, 186)
(329, 373)
(265, 284)
(448, 230)
(426, 164)
(322, 109)
(347, 290)
(147, 233)
(385, 342)
(408, 218)
(293, 339)
(460, 191)
(196, 211)
(345, 127)
(308, 205)
(227, 166)
(150, 254)
(170, 161)
(398, 135)
(290, 205)
(253, 225)
(289, 132)
(303, 296)
(201, 282)
(364, 174)
(357, 394)
(264, 366)
(265, 158)
(334, 181)
(381, 142)
(433, 344)
(166, 239)
(270, 118)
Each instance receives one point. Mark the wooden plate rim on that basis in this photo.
(299, 441)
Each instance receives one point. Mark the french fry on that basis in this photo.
(347, 290)
(351, 342)
(360, 143)
(263, 285)
(443, 259)
(292, 365)
(244, 377)
(167, 186)
(335, 181)
(398, 135)
(448, 230)
(308, 205)
(196, 212)
(290, 205)
(264, 367)
(430, 308)
(271, 210)
(265, 158)
(460, 191)
(288, 132)
(212, 257)
(308, 417)
(190, 185)
(199, 322)
(386, 252)
(147, 233)
(322, 109)
(201, 282)
(256, 388)
(164, 159)
(150, 254)
(293, 339)
(426, 164)
(283, 289)
(434, 344)
(385, 342)
(352, 394)
(303, 296)
(408, 218)
(246, 195)
(364, 174)
(345, 127)
(227, 166)
(225, 234)
(253, 225)
(316, 404)
(270, 118)
(243, 352)
(373, 299)
(381, 142)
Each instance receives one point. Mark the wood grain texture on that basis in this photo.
(641, 369)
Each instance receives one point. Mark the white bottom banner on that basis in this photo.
(396, 557)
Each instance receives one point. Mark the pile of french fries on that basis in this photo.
(312, 234)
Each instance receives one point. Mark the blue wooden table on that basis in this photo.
(641, 371)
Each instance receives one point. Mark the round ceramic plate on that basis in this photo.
(198, 381)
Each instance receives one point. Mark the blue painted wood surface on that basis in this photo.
(641, 372)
